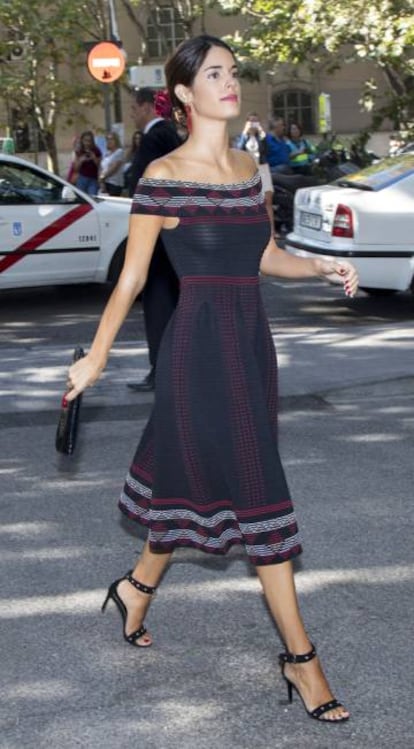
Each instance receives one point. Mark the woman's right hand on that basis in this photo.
(82, 374)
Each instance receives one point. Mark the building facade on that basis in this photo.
(292, 92)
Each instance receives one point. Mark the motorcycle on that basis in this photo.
(330, 163)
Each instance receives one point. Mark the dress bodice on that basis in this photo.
(223, 228)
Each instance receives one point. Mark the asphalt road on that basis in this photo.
(63, 314)
(211, 680)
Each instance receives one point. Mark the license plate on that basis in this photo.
(310, 220)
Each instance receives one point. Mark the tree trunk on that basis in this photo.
(52, 152)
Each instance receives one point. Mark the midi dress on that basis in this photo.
(207, 472)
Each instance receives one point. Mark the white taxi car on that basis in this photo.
(366, 217)
(53, 233)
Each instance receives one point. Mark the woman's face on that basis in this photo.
(294, 132)
(110, 143)
(215, 93)
(87, 142)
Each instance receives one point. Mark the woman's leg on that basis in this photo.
(149, 571)
(279, 589)
(92, 188)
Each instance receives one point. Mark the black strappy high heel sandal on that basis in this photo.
(113, 595)
(318, 711)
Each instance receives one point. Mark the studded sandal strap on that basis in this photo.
(291, 658)
(136, 635)
(324, 709)
(150, 590)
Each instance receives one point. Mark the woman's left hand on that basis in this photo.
(339, 272)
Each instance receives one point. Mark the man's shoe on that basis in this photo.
(146, 385)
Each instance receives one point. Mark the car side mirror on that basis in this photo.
(69, 195)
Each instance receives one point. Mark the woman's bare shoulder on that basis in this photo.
(167, 167)
(246, 164)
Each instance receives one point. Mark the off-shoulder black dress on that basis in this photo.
(207, 472)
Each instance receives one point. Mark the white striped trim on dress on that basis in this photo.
(133, 508)
(263, 550)
(258, 526)
(186, 533)
(181, 201)
(207, 522)
(230, 534)
(139, 488)
(153, 182)
(268, 525)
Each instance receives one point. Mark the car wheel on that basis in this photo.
(117, 263)
(378, 292)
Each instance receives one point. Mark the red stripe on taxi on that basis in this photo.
(43, 236)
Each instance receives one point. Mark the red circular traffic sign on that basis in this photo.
(106, 62)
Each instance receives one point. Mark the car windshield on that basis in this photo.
(386, 172)
(20, 184)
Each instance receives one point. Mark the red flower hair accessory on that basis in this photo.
(162, 103)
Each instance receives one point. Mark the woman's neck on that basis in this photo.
(209, 143)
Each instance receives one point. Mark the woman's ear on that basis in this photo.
(182, 94)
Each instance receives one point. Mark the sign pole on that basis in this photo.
(106, 63)
(107, 107)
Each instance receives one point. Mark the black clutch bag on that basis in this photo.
(67, 427)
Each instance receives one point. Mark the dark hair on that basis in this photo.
(299, 127)
(86, 133)
(184, 64)
(144, 95)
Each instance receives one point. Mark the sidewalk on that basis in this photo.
(211, 681)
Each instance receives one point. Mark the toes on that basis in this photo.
(332, 716)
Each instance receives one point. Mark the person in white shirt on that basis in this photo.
(253, 140)
(111, 177)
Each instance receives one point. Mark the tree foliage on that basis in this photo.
(48, 82)
(45, 83)
(328, 33)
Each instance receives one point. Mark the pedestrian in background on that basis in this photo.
(129, 159)
(86, 163)
(207, 472)
(253, 140)
(278, 153)
(160, 295)
(111, 177)
(301, 150)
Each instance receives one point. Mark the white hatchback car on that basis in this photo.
(366, 217)
(53, 233)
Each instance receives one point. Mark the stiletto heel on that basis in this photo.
(318, 711)
(109, 595)
(115, 597)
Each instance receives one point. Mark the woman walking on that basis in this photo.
(207, 472)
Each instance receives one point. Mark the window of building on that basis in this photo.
(164, 31)
(25, 132)
(295, 106)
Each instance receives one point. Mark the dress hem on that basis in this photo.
(168, 548)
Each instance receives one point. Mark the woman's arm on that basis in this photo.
(78, 159)
(277, 262)
(143, 233)
(113, 165)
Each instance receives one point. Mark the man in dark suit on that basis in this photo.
(160, 294)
